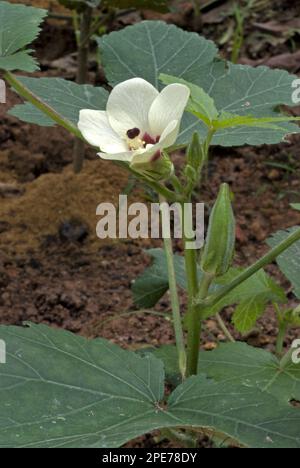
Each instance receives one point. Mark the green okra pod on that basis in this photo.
(220, 241)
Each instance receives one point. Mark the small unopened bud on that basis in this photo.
(220, 241)
(195, 154)
(160, 167)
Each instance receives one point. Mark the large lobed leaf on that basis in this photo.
(289, 261)
(19, 26)
(239, 413)
(253, 367)
(202, 106)
(65, 97)
(150, 48)
(239, 364)
(61, 390)
(153, 47)
(158, 48)
(244, 90)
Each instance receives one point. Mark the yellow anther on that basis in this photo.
(135, 143)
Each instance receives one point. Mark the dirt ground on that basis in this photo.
(54, 270)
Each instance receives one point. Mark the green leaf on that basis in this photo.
(150, 287)
(239, 363)
(227, 120)
(244, 90)
(236, 412)
(231, 124)
(150, 48)
(169, 355)
(19, 26)
(248, 312)
(60, 390)
(235, 89)
(289, 261)
(65, 97)
(200, 104)
(259, 286)
(296, 206)
(19, 61)
(152, 284)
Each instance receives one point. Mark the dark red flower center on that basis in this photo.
(149, 140)
(133, 133)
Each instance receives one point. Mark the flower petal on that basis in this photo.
(123, 157)
(145, 156)
(95, 128)
(129, 104)
(168, 106)
(170, 134)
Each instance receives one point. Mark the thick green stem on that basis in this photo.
(177, 322)
(263, 262)
(194, 323)
(195, 326)
(23, 91)
(194, 290)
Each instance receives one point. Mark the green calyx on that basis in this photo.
(158, 169)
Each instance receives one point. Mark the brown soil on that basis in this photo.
(54, 270)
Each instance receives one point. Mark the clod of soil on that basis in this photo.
(62, 205)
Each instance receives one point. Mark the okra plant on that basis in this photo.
(170, 89)
(88, 20)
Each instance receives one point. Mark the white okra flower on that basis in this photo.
(139, 122)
